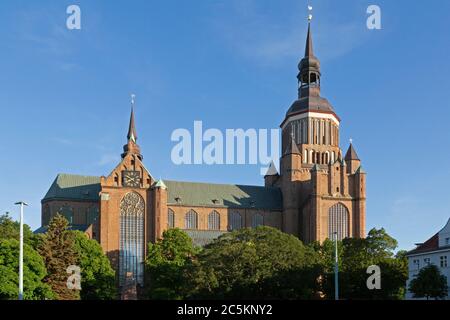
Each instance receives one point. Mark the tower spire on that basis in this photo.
(132, 147)
(132, 136)
(309, 43)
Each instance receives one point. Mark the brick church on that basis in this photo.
(318, 193)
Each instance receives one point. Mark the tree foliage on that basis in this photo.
(33, 272)
(165, 265)
(10, 229)
(429, 283)
(355, 256)
(97, 275)
(58, 250)
(261, 263)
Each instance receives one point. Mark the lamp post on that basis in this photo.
(21, 204)
(336, 267)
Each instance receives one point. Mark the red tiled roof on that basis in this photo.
(429, 245)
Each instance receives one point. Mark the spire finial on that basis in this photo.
(309, 45)
(351, 141)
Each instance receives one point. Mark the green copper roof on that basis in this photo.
(203, 237)
(160, 184)
(223, 195)
(74, 187)
(360, 170)
(87, 188)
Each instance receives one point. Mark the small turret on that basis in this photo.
(352, 159)
(271, 176)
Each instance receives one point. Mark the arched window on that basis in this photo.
(170, 219)
(214, 221)
(235, 221)
(257, 220)
(131, 243)
(67, 212)
(190, 220)
(338, 217)
(91, 215)
(46, 215)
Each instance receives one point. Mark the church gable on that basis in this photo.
(130, 163)
(131, 171)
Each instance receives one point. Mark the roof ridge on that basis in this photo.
(220, 184)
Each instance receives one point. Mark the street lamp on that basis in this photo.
(336, 268)
(21, 204)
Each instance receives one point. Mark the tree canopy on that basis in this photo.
(10, 229)
(429, 283)
(165, 264)
(355, 256)
(97, 275)
(58, 250)
(260, 263)
(33, 272)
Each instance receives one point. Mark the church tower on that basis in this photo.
(127, 221)
(323, 192)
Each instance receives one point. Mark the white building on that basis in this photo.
(435, 250)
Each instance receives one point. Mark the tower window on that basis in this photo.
(338, 217)
(131, 238)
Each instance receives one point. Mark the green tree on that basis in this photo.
(165, 265)
(260, 263)
(10, 229)
(33, 272)
(97, 275)
(429, 283)
(57, 248)
(355, 256)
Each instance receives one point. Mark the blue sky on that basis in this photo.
(64, 94)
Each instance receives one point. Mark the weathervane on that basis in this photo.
(133, 96)
(310, 16)
(351, 141)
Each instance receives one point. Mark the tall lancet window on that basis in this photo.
(234, 221)
(338, 222)
(191, 220)
(131, 247)
(214, 221)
